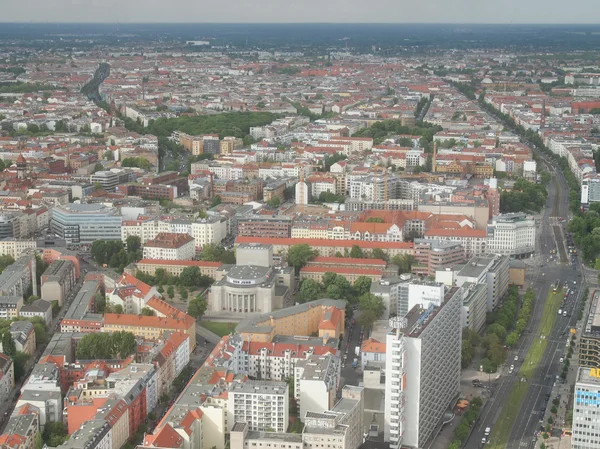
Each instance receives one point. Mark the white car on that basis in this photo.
(560, 311)
(516, 358)
(561, 360)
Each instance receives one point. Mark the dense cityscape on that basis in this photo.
(226, 239)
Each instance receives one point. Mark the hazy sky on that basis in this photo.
(234, 11)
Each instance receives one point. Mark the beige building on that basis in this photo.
(58, 280)
(170, 246)
(175, 267)
(14, 248)
(229, 144)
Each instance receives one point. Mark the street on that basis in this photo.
(542, 274)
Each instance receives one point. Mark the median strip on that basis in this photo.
(510, 411)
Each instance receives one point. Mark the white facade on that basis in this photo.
(586, 426)
(511, 234)
(204, 232)
(187, 251)
(422, 372)
(263, 405)
(302, 193)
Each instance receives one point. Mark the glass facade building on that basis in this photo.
(84, 223)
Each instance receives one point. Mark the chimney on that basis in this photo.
(433, 159)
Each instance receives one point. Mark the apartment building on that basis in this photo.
(511, 234)
(42, 391)
(80, 316)
(23, 335)
(422, 371)
(58, 280)
(39, 308)
(7, 377)
(474, 305)
(10, 306)
(22, 431)
(341, 427)
(14, 248)
(490, 270)
(316, 382)
(316, 273)
(17, 277)
(170, 246)
(151, 327)
(263, 405)
(586, 429)
(203, 231)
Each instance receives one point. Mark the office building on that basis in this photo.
(511, 234)
(422, 371)
(85, 223)
(589, 342)
(433, 254)
(586, 427)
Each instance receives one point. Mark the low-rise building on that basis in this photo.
(23, 335)
(170, 246)
(40, 308)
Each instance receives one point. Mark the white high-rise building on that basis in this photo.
(586, 426)
(422, 370)
(302, 193)
(511, 234)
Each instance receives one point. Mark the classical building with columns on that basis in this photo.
(254, 284)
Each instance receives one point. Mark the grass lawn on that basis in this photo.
(218, 327)
(503, 427)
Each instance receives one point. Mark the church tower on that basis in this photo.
(21, 167)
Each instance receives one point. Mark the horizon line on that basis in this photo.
(117, 22)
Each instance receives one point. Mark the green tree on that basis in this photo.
(367, 318)
(216, 253)
(118, 309)
(274, 202)
(197, 307)
(216, 201)
(299, 255)
(189, 276)
(147, 312)
(404, 262)
(171, 292)
(55, 434)
(100, 302)
(123, 344)
(378, 253)
(371, 302)
(134, 243)
(309, 290)
(362, 285)
(356, 252)
(8, 344)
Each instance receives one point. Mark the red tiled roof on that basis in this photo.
(114, 319)
(187, 263)
(342, 270)
(348, 260)
(372, 345)
(325, 242)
